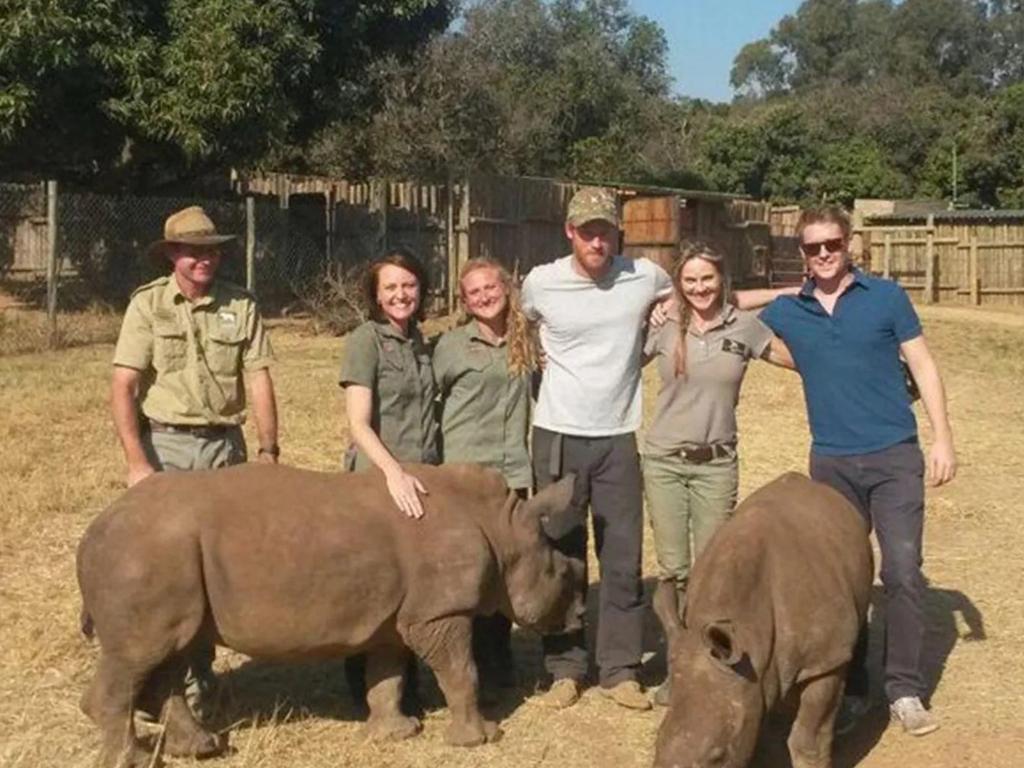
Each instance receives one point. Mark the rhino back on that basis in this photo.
(300, 563)
(793, 570)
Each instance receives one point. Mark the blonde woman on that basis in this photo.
(482, 368)
(691, 476)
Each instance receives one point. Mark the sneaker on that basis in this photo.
(910, 712)
(852, 710)
(563, 693)
(627, 694)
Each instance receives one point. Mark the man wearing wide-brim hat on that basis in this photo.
(189, 343)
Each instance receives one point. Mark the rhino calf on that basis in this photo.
(283, 563)
(774, 606)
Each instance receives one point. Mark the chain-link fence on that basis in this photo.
(295, 253)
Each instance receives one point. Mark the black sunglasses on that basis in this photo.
(832, 245)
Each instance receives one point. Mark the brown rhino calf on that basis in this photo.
(773, 609)
(283, 563)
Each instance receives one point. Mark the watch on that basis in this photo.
(271, 450)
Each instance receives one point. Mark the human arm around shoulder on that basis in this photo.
(359, 378)
(764, 344)
(755, 298)
(942, 456)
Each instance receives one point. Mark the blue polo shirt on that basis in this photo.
(856, 395)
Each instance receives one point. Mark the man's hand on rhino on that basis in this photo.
(139, 472)
(403, 488)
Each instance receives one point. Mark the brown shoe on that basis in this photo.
(563, 693)
(627, 694)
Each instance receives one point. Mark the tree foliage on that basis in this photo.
(93, 87)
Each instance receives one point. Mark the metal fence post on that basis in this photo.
(250, 243)
(52, 271)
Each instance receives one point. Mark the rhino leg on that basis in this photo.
(810, 741)
(108, 701)
(446, 645)
(183, 734)
(385, 668)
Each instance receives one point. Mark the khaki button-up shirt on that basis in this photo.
(192, 353)
(485, 414)
(397, 370)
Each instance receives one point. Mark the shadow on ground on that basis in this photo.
(951, 617)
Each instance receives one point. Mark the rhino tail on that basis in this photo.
(85, 623)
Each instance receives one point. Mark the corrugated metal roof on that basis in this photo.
(1003, 214)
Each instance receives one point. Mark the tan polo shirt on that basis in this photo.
(397, 370)
(485, 415)
(192, 353)
(700, 407)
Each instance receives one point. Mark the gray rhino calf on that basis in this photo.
(283, 563)
(774, 606)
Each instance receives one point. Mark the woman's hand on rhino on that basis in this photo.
(405, 490)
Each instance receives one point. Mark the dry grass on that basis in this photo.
(60, 464)
(25, 330)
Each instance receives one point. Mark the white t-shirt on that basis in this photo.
(592, 334)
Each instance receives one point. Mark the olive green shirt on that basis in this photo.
(700, 407)
(397, 370)
(192, 353)
(485, 417)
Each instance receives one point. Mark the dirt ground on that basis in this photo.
(60, 465)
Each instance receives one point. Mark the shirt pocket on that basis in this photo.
(170, 349)
(224, 351)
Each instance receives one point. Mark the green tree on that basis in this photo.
(113, 87)
(569, 87)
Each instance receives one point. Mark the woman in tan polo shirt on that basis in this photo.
(482, 368)
(691, 477)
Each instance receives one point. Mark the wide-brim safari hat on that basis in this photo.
(189, 226)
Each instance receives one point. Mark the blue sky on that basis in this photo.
(704, 37)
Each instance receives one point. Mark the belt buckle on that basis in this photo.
(701, 455)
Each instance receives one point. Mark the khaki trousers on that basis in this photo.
(686, 503)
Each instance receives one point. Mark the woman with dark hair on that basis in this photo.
(388, 381)
(691, 476)
(389, 400)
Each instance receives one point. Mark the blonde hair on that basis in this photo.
(711, 253)
(522, 353)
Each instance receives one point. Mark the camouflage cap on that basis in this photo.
(591, 204)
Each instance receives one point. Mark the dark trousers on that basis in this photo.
(887, 487)
(608, 481)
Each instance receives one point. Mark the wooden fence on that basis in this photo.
(958, 260)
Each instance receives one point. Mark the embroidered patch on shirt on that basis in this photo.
(735, 347)
(227, 317)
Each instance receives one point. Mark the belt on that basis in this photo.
(198, 430)
(702, 454)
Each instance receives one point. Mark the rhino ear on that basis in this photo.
(720, 639)
(552, 508)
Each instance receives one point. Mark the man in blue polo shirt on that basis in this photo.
(847, 331)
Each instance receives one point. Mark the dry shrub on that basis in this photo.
(334, 299)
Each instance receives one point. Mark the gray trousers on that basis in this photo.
(608, 481)
(184, 451)
(887, 487)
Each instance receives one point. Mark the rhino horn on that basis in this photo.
(721, 640)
